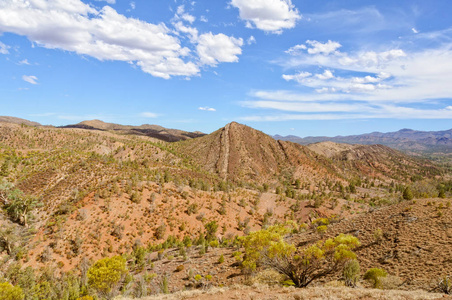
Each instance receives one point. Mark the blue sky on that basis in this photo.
(283, 67)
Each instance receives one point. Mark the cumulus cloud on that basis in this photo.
(268, 15)
(251, 40)
(295, 50)
(30, 79)
(107, 35)
(211, 49)
(4, 48)
(215, 48)
(206, 108)
(322, 48)
(325, 75)
(326, 82)
(24, 62)
(181, 14)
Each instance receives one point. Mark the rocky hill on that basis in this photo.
(240, 152)
(155, 131)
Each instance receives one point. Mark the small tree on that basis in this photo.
(374, 276)
(19, 206)
(407, 194)
(315, 261)
(267, 247)
(211, 230)
(105, 275)
(8, 238)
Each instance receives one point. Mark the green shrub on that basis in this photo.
(267, 247)
(164, 285)
(86, 298)
(198, 277)
(106, 274)
(351, 272)
(408, 194)
(221, 259)
(378, 235)
(214, 244)
(374, 275)
(322, 229)
(10, 292)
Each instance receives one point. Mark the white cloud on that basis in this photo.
(107, 35)
(24, 62)
(108, 1)
(268, 15)
(181, 14)
(132, 5)
(251, 40)
(206, 108)
(330, 113)
(297, 77)
(317, 47)
(4, 48)
(414, 30)
(306, 107)
(191, 31)
(325, 76)
(149, 115)
(295, 50)
(203, 19)
(213, 49)
(30, 79)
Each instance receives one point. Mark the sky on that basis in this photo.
(299, 67)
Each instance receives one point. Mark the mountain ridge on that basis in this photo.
(155, 131)
(407, 140)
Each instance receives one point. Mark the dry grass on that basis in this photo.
(262, 292)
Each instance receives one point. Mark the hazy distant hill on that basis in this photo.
(19, 121)
(405, 139)
(155, 131)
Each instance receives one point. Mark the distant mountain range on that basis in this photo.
(407, 140)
